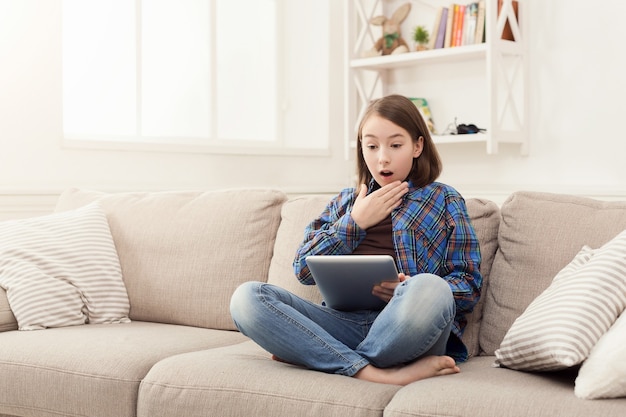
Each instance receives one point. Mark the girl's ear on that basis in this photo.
(418, 147)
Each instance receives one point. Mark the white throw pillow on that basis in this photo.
(561, 326)
(62, 270)
(603, 374)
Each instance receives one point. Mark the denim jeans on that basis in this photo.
(416, 322)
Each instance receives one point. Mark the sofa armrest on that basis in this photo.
(7, 319)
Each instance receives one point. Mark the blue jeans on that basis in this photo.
(415, 323)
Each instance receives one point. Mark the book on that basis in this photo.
(458, 26)
(479, 37)
(433, 34)
(455, 23)
(441, 34)
(424, 108)
(471, 15)
(448, 38)
(507, 32)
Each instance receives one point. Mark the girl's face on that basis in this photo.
(388, 150)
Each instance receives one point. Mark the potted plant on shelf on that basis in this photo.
(421, 37)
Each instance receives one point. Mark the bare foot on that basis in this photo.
(422, 368)
(277, 359)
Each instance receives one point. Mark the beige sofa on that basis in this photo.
(183, 253)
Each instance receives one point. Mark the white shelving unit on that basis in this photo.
(503, 65)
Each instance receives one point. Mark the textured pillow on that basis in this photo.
(7, 319)
(539, 234)
(183, 253)
(485, 217)
(295, 215)
(561, 326)
(62, 270)
(603, 374)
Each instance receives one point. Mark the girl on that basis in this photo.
(399, 210)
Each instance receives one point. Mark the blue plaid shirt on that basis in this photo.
(432, 233)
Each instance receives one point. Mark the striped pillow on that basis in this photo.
(62, 270)
(561, 326)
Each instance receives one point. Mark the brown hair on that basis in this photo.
(402, 112)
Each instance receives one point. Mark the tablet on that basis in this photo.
(346, 281)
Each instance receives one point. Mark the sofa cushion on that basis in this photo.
(481, 390)
(62, 270)
(184, 253)
(298, 212)
(7, 319)
(485, 217)
(242, 380)
(539, 234)
(603, 374)
(91, 370)
(561, 326)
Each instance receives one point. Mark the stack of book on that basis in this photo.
(459, 24)
(464, 24)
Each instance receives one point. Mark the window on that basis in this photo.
(213, 74)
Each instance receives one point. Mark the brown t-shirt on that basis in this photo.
(378, 240)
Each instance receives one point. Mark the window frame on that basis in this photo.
(211, 144)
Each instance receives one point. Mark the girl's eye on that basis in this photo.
(371, 147)
(396, 145)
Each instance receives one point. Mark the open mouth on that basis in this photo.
(386, 173)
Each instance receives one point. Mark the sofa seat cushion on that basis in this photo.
(481, 390)
(540, 233)
(90, 370)
(184, 253)
(243, 380)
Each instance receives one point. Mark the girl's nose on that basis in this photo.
(383, 157)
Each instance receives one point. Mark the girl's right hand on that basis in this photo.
(369, 210)
(386, 289)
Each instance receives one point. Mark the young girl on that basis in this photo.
(399, 210)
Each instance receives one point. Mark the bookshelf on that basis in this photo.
(493, 73)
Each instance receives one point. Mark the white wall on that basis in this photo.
(33, 161)
(577, 66)
(577, 144)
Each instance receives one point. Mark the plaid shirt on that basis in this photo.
(432, 233)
